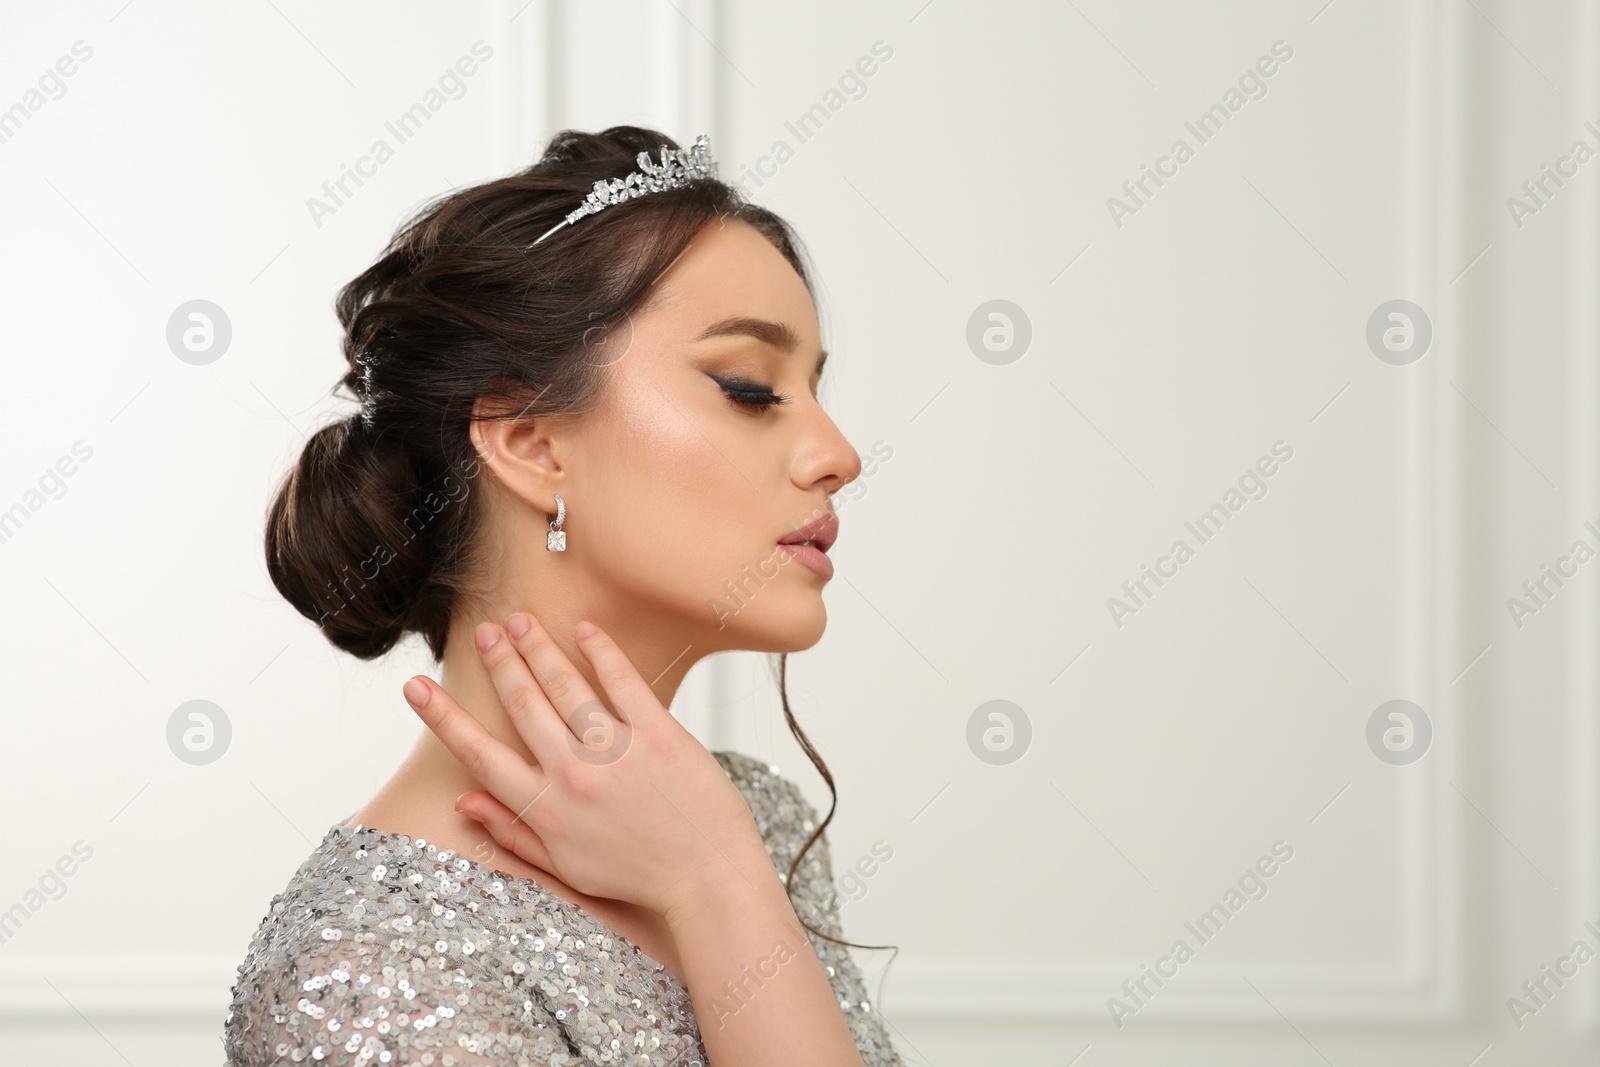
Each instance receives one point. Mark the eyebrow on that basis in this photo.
(776, 334)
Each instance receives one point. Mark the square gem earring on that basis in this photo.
(555, 539)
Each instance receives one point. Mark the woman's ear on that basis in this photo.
(525, 453)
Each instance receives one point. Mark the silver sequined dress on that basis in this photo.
(387, 950)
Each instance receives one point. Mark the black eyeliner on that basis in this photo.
(744, 391)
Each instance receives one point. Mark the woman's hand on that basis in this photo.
(628, 806)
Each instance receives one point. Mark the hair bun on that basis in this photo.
(617, 144)
(338, 548)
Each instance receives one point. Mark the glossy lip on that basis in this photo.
(814, 560)
(824, 531)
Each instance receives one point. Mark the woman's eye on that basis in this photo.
(751, 395)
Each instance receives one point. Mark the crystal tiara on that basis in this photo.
(677, 167)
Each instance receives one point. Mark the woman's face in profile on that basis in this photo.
(685, 487)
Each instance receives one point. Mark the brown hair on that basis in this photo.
(458, 307)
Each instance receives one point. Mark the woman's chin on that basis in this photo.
(791, 624)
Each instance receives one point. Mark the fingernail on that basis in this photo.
(487, 635)
(417, 693)
(586, 628)
(458, 802)
(517, 624)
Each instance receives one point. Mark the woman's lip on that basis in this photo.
(824, 530)
(814, 559)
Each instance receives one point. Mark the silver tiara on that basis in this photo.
(677, 167)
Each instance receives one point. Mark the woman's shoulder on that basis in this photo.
(787, 819)
(784, 816)
(768, 792)
(384, 948)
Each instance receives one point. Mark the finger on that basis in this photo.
(505, 827)
(521, 694)
(489, 760)
(561, 683)
(630, 694)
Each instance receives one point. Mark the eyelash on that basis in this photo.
(749, 394)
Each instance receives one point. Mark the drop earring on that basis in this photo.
(555, 539)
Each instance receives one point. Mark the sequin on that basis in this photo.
(385, 949)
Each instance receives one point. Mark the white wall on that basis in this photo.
(1169, 351)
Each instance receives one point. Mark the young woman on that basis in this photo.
(589, 453)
